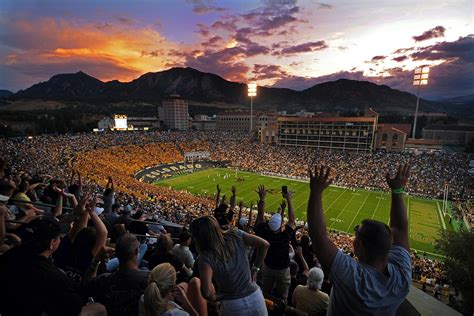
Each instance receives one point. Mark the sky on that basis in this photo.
(281, 43)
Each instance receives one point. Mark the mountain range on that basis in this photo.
(207, 88)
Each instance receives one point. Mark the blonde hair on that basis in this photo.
(208, 237)
(161, 281)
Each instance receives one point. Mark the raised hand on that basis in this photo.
(261, 192)
(81, 206)
(287, 195)
(218, 189)
(319, 179)
(400, 180)
(283, 205)
(233, 190)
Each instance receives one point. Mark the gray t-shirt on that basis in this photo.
(359, 289)
(232, 278)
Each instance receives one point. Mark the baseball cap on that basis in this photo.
(99, 210)
(275, 222)
(243, 221)
(45, 228)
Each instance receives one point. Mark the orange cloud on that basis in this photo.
(47, 43)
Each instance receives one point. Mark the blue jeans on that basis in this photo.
(113, 264)
(251, 305)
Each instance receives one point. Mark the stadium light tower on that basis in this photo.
(252, 87)
(420, 79)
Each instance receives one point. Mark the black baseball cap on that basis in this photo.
(45, 228)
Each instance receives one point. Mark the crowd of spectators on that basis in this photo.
(99, 249)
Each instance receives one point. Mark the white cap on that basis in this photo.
(99, 210)
(275, 222)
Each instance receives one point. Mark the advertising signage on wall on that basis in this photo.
(157, 173)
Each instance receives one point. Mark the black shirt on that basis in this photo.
(32, 285)
(138, 228)
(278, 254)
(119, 291)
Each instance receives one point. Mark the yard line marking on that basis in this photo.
(336, 201)
(441, 215)
(377, 206)
(341, 211)
(353, 219)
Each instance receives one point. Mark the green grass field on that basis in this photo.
(344, 208)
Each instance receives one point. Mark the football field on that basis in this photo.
(344, 208)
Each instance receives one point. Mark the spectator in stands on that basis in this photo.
(7, 188)
(379, 282)
(25, 207)
(222, 259)
(276, 277)
(157, 299)
(297, 277)
(120, 291)
(182, 251)
(30, 283)
(164, 253)
(109, 195)
(125, 218)
(309, 298)
(308, 253)
(112, 216)
(137, 226)
(84, 243)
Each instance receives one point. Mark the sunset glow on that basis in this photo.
(293, 44)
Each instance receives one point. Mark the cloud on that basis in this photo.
(229, 25)
(435, 32)
(448, 79)
(403, 50)
(204, 7)
(400, 58)
(462, 49)
(125, 20)
(378, 58)
(262, 72)
(272, 16)
(111, 51)
(324, 6)
(303, 48)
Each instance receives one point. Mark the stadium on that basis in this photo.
(236, 158)
(173, 177)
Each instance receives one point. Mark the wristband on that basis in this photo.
(255, 269)
(95, 263)
(398, 191)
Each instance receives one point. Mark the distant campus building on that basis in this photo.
(175, 113)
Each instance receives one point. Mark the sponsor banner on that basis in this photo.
(156, 173)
